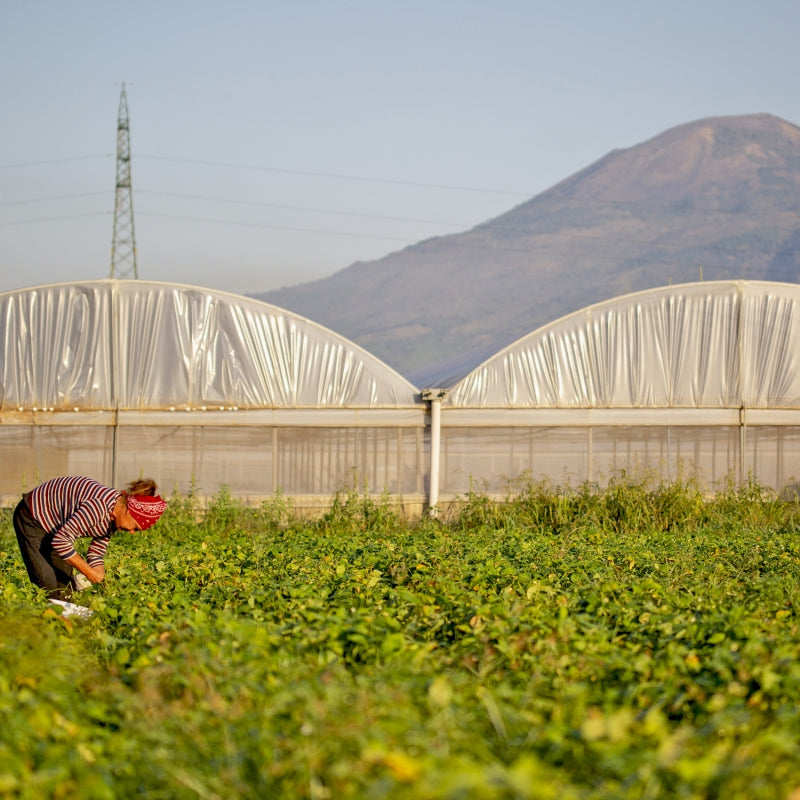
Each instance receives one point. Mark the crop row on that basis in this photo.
(629, 642)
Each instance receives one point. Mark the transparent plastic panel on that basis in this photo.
(198, 460)
(772, 457)
(255, 462)
(32, 454)
(500, 460)
(708, 455)
(672, 347)
(770, 342)
(56, 344)
(711, 345)
(143, 345)
(183, 346)
(261, 461)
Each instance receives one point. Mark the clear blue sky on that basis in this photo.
(279, 141)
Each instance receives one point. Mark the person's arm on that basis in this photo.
(93, 573)
(85, 518)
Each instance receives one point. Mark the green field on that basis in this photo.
(629, 642)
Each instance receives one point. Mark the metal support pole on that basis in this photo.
(742, 443)
(434, 397)
(113, 317)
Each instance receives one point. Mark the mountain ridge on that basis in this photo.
(717, 198)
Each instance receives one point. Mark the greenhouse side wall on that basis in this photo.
(699, 381)
(203, 391)
(713, 447)
(35, 452)
(310, 463)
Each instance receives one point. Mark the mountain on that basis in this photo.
(714, 199)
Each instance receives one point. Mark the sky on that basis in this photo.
(278, 142)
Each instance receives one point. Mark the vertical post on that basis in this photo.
(115, 429)
(113, 302)
(275, 461)
(742, 443)
(742, 378)
(436, 438)
(434, 397)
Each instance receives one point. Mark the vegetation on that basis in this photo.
(629, 642)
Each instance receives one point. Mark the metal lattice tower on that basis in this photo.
(123, 243)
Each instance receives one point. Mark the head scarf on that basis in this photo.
(145, 510)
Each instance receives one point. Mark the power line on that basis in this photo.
(35, 200)
(586, 236)
(56, 219)
(505, 227)
(334, 176)
(281, 170)
(484, 190)
(285, 207)
(638, 204)
(569, 250)
(48, 162)
(269, 226)
(562, 251)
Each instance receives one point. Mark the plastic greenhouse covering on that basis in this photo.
(203, 390)
(199, 388)
(699, 379)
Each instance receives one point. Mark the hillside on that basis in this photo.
(714, 199)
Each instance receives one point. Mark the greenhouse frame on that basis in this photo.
(201, 390)
(206, 391)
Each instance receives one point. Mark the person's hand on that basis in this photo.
(92, 574)
(95, 574)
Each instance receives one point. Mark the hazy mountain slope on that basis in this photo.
(718, 197)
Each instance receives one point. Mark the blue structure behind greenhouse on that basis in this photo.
(204, 390)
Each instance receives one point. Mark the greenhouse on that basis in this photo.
(204, 390)
(200, 390)
(698, 380)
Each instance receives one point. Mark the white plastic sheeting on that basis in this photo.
(704, 345)
(202, 390)
(199, 389)
(698, 379)
(145, 345)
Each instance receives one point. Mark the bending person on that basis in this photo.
(50, 518)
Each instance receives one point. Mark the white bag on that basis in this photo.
(71, 610)
(80, 582)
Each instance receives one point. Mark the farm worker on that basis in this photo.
(52, 516)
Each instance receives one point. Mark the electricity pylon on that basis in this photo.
(123, 243)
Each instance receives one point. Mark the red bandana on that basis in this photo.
(145, 510)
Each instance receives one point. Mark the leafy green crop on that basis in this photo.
(628, 642)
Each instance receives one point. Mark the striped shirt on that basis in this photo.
(75, 508)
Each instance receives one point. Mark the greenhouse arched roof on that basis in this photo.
(699, 345)
(147, 345)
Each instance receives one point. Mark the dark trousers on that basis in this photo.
(45, 567)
